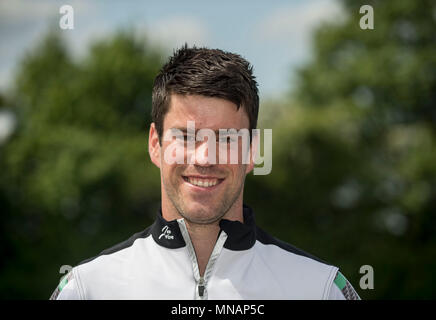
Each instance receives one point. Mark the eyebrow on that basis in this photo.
(185, 130)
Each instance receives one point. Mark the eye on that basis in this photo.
(228, 138)
(190, 137)
(180, 138)
(233, 138)
(223, 139)
(185, 138)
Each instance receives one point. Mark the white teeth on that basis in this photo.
(205, 183)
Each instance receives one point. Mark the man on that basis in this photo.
(204, 243)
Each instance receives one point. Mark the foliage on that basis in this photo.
(354, 147)
(77, 178)
(354, 169)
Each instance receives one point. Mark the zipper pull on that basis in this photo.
(201, 287)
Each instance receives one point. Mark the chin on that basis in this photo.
(201, 214)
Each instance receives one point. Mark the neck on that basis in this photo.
(203, 236)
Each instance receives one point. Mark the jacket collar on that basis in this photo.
(240, 236)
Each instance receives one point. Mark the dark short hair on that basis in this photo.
(207, 72)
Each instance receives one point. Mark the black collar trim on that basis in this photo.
(167, 233)
(240, 236)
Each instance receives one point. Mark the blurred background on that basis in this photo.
(353, 114)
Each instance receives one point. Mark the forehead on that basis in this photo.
(207, 112)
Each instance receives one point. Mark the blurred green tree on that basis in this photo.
(354, 149)
(354, 165)
(78, 178)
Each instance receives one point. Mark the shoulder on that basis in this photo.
(110, 259)
(118, 248)
(67, 288)
(284, 248)
(105, 270)
(297, 268)
(342, 289)
(314, 271)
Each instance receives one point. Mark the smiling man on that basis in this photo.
(204, 243)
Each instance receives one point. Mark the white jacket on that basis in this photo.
(246, 263)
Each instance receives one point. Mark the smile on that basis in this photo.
(203, 182)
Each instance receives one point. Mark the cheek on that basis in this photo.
(171, 172)
(235, 153)
(173, 153)
(237, 175)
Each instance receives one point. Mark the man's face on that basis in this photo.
(202, 192)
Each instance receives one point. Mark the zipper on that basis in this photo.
(201, 286)
(201, 281)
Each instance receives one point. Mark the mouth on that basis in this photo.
(206, 183)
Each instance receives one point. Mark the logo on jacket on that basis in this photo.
(166, 232)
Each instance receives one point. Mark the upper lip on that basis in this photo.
(201, 177)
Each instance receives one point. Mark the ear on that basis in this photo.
(253, 152)
(154, 145)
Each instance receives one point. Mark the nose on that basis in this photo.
(205, 154)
